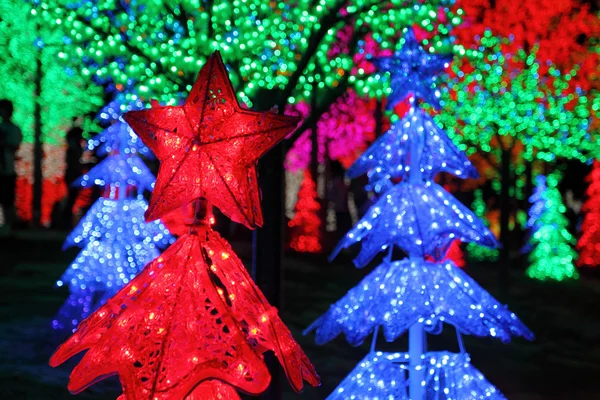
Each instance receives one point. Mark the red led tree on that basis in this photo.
(564, 30)
(193, 322)
(589, 242)
(305, 227)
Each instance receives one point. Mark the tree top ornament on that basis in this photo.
(412, 70)
(208, 147)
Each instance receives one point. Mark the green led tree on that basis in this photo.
(499, 106)
(273, 49)
(33, 59)
(552, 255)
(475, 251)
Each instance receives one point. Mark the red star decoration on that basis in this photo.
(209, 147)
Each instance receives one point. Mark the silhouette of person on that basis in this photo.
(10, 140)
(73, 171)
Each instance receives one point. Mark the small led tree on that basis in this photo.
(589, 241)
(550, 242)
(116, 241)
(413, 294)
(305, 227)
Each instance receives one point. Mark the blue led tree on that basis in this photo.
(116, 241)
(419, 217)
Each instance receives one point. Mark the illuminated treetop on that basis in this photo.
(151, 48)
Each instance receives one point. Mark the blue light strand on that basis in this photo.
(388, 157)
(120, 171)
(99, 271)
(420, 219)
(122, 219)
(382, 375)
(116, 241)
(399, 294)
(119, 137)
(423, 220)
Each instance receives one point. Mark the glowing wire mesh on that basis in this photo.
(420, 219)
(201, 317)
(399, 294)
(98, 272)
(413, 71)
(389, 156)
(209, 147)
(383, 376)
(213, 389)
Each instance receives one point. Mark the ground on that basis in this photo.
(562, 363)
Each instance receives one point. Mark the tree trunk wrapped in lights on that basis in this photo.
(414, 294)
(193, 315)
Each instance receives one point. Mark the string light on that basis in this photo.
(343, 132)
(26, 36)
(397, 218)
(194, 314)
(397, 295)
(413, 71)
(117, 243)
(387, 158)
(415, 294)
